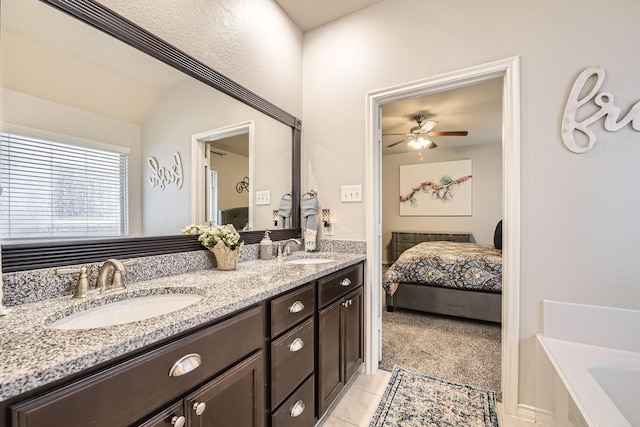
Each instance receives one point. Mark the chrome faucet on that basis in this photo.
(83, 287)
(117, 283)
(285, 249)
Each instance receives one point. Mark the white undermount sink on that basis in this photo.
(126, 311)
(309, 261)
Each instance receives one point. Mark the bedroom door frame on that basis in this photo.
(201, 164)
(509, 69)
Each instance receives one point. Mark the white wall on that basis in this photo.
(191, 108)
(253, 42)
(579, 212)
(486, 195)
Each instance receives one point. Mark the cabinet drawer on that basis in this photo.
(291, 308)
(298, 410)
(144, 382)
(292, 358)
(338, 284)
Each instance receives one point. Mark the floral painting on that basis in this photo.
(436, 189)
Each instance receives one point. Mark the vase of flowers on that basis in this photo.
(222, 240)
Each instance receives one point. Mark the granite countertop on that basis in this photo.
(34, 355)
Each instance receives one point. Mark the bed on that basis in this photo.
(451, 278)
(239, 217)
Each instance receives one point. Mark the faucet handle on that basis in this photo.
(82, 286)
(129, 262)
(117, 283)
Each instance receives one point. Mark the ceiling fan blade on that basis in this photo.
(450, 133)
(395, 134)
(399, 142)
(428, 125)
(432, 145)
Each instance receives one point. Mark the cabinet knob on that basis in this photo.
(297, 409)
(185, 365)
(178, 421)
(345, 282)
(199, 407)
(296, 345)
(296, 307)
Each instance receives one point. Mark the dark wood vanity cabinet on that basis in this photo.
(340, 332)
(279, 364)
(129, 392)
(235, 398)
(293, 358)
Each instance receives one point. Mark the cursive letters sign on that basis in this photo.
(163, 176)
(606, 108)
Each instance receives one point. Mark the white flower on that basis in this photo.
(210, 236)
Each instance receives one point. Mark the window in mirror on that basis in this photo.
(55, 189)
(213, 198)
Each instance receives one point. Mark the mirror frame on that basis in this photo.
(45, 254)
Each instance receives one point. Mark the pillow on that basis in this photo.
(497, 236)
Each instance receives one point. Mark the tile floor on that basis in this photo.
(360, 399)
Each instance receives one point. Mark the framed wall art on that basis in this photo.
(436, 189)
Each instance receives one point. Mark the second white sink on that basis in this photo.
(126, 311)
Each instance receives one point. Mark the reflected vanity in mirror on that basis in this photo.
(124, 87)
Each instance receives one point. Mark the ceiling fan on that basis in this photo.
(418, 136)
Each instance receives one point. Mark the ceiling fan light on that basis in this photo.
(414, 143)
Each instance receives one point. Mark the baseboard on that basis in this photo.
(536, 415)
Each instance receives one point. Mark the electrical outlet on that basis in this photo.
(263, 197)
(351, 193)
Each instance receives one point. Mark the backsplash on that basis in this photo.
(36, 285)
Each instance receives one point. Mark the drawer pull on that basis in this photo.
(199, 407)
(296, 345)
(345, 282)
(296, 307)
(178, 421)
(297, 409)
(185, 365)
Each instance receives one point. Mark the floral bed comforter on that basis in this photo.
(447, 264)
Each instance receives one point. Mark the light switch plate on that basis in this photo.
(351, 193)
(263, 197)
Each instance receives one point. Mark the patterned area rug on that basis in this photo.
(419, 400)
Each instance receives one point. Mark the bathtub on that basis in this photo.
(594, 355)
(604, 383)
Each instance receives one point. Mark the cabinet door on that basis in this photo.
(330, 355)
(236, 398)
(144, 382)
(173, 416)
(353, 333)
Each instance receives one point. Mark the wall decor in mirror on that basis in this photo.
(112, 84)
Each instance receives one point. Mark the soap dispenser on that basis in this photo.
(266, 246)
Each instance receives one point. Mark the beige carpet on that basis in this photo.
(452, 349)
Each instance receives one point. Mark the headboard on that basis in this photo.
(238, 217)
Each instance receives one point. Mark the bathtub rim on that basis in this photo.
(571, 361)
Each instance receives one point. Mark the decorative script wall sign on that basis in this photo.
(163, 176)
(606, 108)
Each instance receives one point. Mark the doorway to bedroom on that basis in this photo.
(450, 144)
(508, 69)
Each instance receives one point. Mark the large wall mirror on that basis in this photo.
(124, 87)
